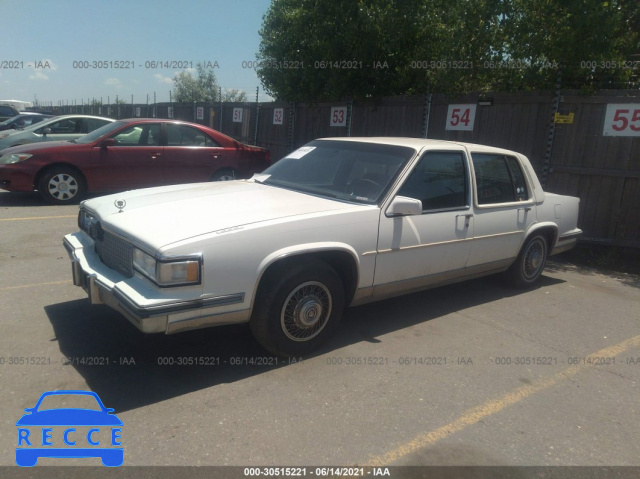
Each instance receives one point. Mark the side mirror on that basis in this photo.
(403, 206)
(107, 142)
(46, 131)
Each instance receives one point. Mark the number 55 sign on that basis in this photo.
(461, 117)
(622, 120)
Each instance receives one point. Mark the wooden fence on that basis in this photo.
(570, 150)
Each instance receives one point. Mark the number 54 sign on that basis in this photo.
(461, 117)
(622, 120)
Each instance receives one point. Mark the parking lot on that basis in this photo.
(468, 374)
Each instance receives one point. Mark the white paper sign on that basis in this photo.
(622, 120)
(278, 116)
(237, 115)
(300, 152)
(170, 112)
(338, 116)
(200, 112)
(138, 111)
(461, 117)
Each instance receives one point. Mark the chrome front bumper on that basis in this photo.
(103, 286)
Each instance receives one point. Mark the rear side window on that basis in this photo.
(499, 179)
(183, 135)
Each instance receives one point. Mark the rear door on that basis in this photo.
(190, 155)
(503, 210)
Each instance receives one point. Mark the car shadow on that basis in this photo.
(30, 198)
(129, 369)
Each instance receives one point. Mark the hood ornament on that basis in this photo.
(120, 204)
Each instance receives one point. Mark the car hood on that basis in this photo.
(36, 147)
(157, 217)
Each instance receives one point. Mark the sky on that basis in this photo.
(68, 50)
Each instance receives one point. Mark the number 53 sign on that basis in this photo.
(461, 117)
(622, 120)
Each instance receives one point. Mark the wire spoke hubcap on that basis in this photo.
(306, 311)
(63, 186)
(534, 259)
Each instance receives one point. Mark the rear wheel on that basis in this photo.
(61, 185)
(530, 262)
(224, 175)
(297, 307)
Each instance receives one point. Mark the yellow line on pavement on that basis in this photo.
(38, 218)
(478, 413)
(67, 281)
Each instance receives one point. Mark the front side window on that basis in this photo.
(67, 125)
(499, 179)
(439, 180)
(147, 134)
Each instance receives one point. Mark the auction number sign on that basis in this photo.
(622, 120)
(200, 113)
(278, 116)
(237, 115)
(338, 116)
(461, 117)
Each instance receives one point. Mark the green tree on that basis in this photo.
(314, 50)
(200, 88)
(234, 95)
(576, 36)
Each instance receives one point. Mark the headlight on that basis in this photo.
(144, 263)
(15, 158)
(85, 220)
(167, 273)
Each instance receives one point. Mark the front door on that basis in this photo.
(415, 251)
(134, 161)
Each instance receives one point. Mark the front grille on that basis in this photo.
(116, 253)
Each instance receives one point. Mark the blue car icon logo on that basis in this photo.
(69, 432)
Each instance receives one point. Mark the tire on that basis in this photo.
(61, 185)
(224, 175)
(298, 306)
(529, 264)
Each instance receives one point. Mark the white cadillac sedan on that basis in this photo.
(339, 222)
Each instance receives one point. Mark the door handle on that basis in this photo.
(527, 208)
(467, 217)
(155, 156)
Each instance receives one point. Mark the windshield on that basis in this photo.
(102, 131)
(345, 170)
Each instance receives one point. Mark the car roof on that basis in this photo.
(164, 120)
(420, 143)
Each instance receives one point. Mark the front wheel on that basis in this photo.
(530, 262)
(297, 308)
(61, 185)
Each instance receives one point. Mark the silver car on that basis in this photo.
(66, 127)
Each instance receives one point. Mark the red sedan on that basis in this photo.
(127, 154)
